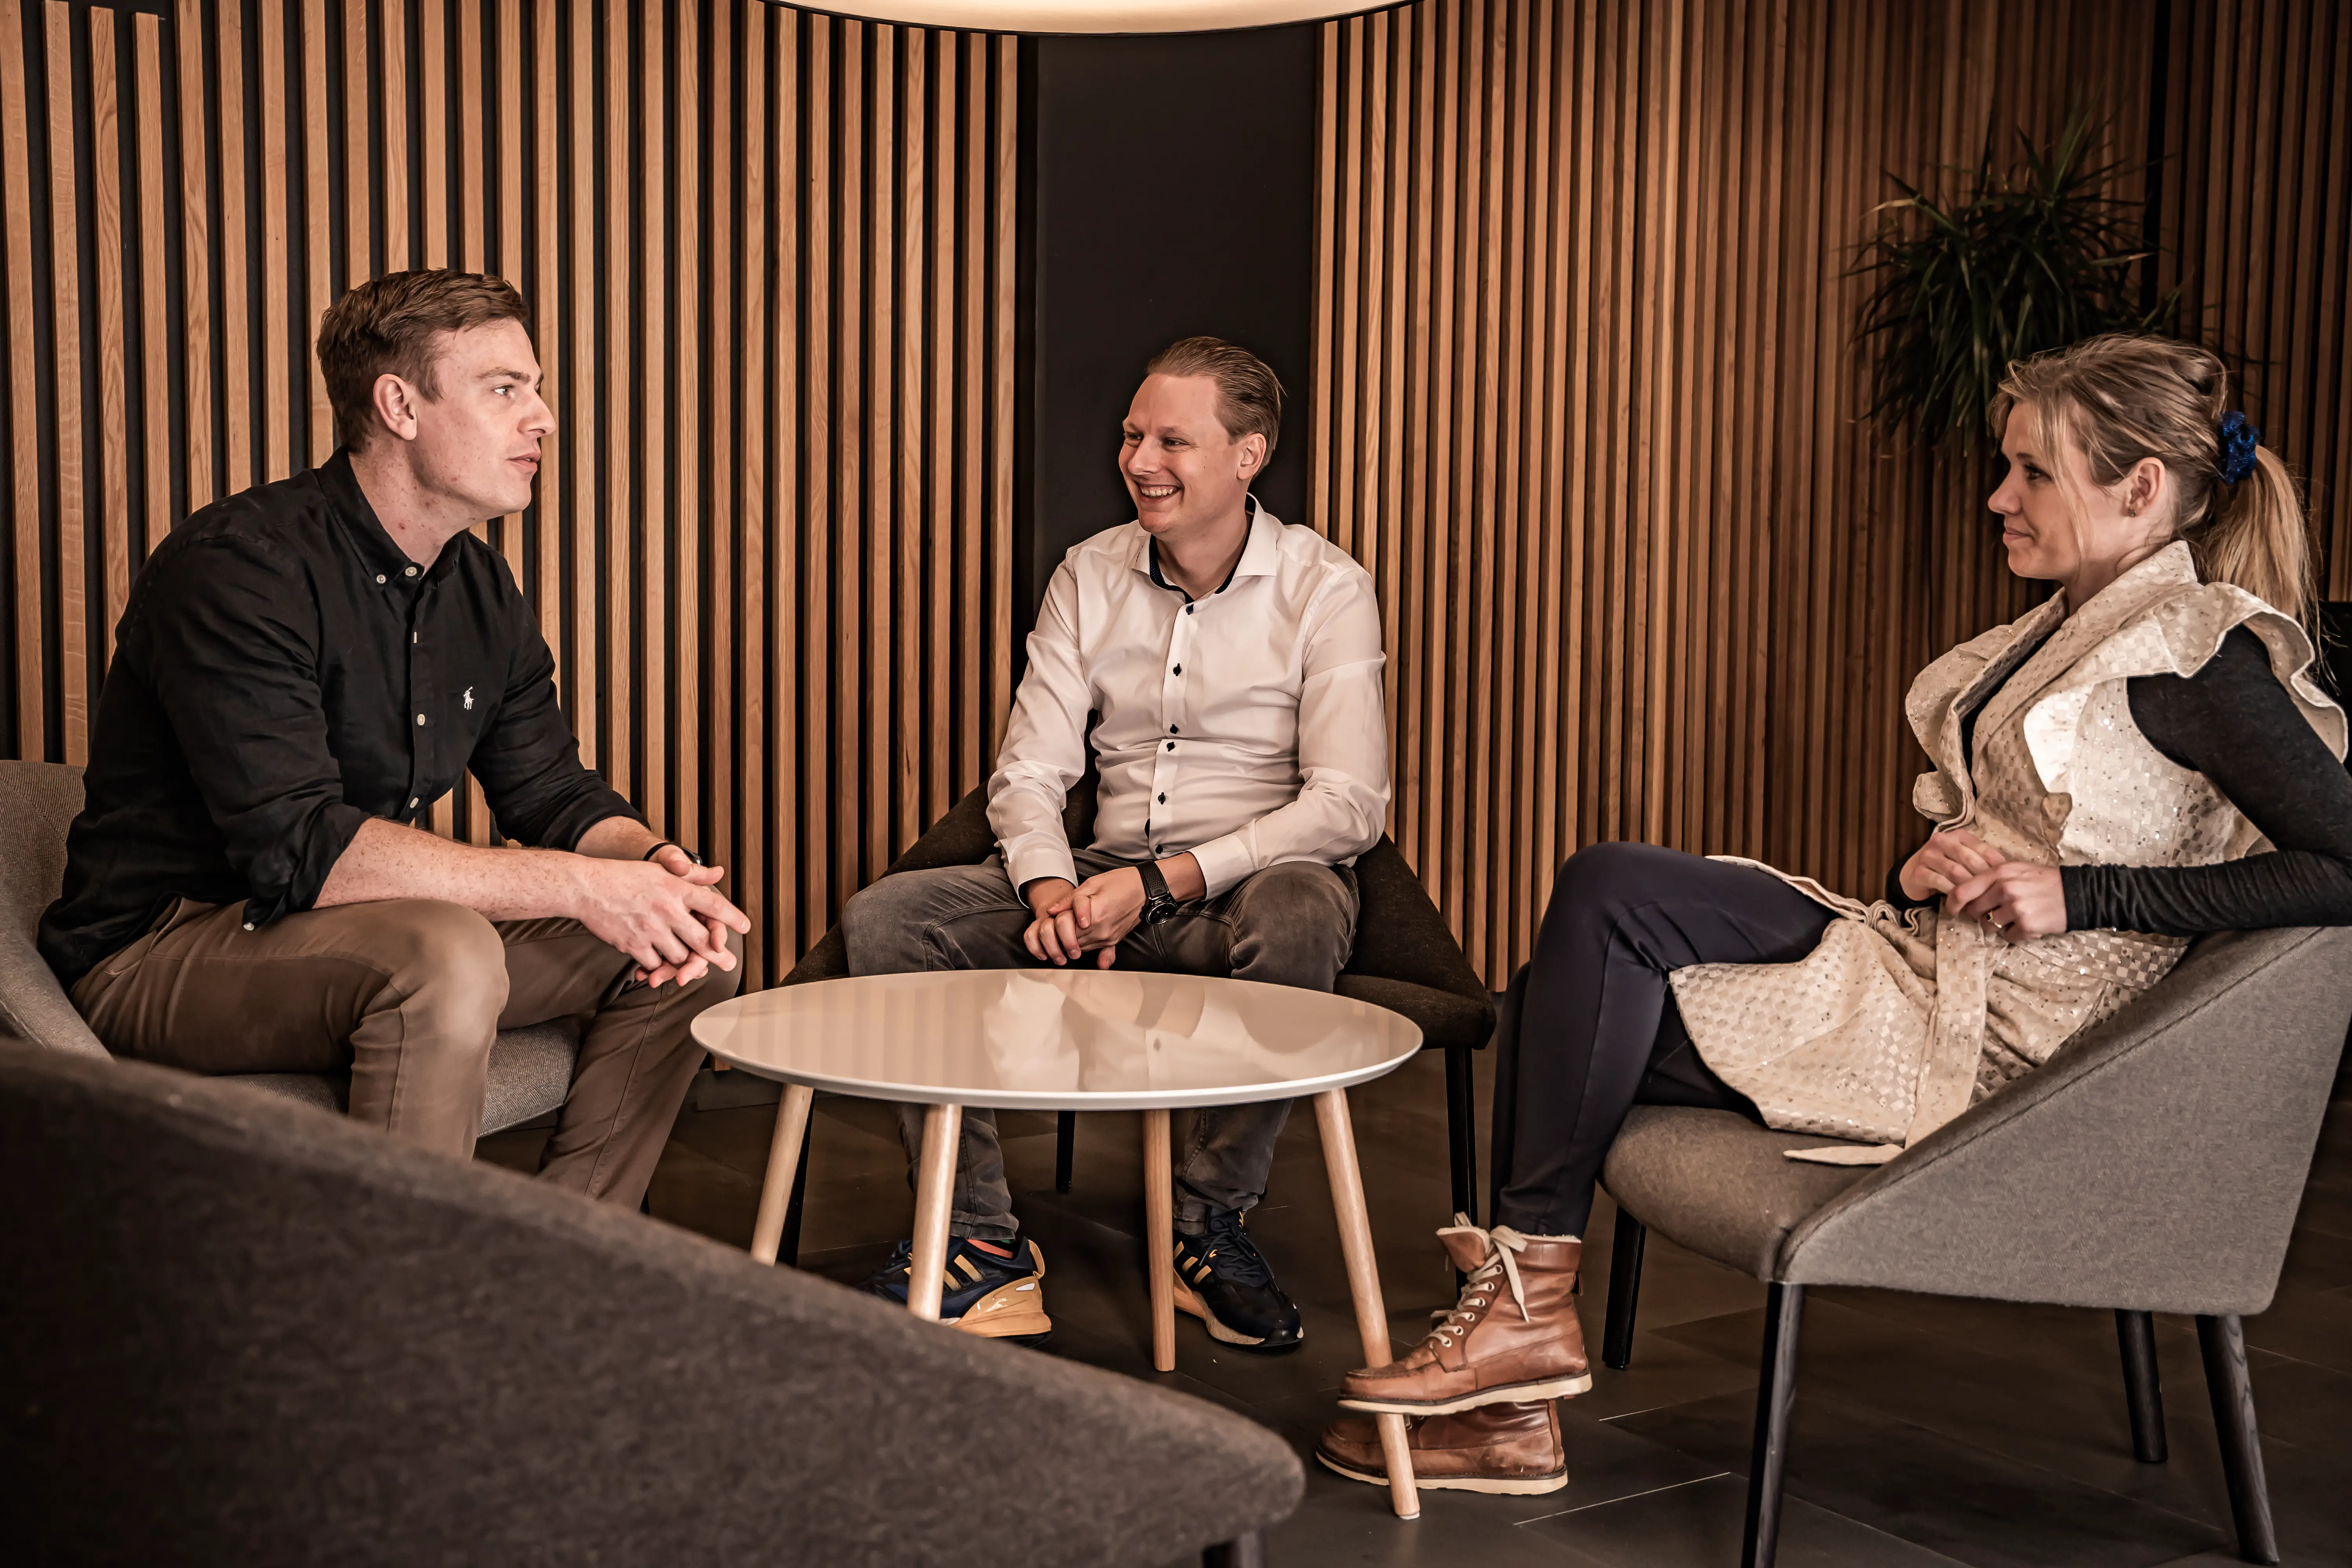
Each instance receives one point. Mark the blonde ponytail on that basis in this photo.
(2256, 537)
(2126, 398)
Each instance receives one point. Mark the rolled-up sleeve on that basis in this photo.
(1044, 750)
(1342, 808)
(233, 659)
(528, 760)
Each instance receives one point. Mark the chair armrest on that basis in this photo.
(2157, 1163)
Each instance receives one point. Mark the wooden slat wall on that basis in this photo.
(2256, 214)
(771, 254)
(1586, 401)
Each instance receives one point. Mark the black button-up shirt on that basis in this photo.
(284, 672)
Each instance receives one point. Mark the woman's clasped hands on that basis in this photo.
(2018, 898)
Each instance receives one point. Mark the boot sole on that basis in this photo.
(1531, 1486)
(1511, 1394)
(1192, 1306)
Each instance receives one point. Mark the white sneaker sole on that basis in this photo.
(1513, 1393)
(1533, 1486)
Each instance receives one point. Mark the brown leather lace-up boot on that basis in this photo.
(1511, 1449)
(1512, 1336)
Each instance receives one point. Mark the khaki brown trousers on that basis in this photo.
(407, 994)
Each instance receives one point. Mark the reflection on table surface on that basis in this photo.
(1058, 1038)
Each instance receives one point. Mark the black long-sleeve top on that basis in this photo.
(283, 672)
(2235, 722)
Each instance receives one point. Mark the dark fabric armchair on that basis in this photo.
(1405, 959)
(238, 1332)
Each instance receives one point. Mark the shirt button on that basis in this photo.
(1180, 669)
(412, 802)
(249, 925)
(420, 721)
(1188, 609)
(412, 571)
(1163, 797)
(1173, 730)
(380, 578)
(1171, 746)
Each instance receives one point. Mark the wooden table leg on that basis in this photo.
(934, 1196)
(1160, 1238)
(1364, 1280)
(784, 1159)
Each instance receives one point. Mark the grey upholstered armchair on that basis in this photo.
(530, 1069)
(236, 1332)
(2155, 1165)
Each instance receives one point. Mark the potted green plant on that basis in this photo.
(2037, 257)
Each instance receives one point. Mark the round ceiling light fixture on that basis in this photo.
(1096, 16)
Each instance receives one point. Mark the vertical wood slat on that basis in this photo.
(1586, 406)
(73, 510)
(24, 371)
(658, 180)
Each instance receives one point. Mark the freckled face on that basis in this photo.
(478, 440)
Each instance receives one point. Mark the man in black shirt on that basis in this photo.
(302, 670)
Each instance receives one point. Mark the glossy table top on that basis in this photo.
(1058, 1039)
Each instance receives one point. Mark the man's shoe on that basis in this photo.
(1513, 1335)
(1222, 1281)
(1512, 1448)
(996, 1297)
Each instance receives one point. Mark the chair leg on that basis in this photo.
(788, 1247)
(1462, 1129)
(2223, 1340)
(1240, 1552)
(1066, 1148)
(2143, 1390)
(1625, 1291)
(1776, 1393)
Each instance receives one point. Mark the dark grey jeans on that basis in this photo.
(1291, 924)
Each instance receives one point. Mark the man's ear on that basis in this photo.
(1253, 448)
(394, 402)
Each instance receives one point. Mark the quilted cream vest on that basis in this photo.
(1900, 1021)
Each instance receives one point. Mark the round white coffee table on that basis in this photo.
(1073, 1039)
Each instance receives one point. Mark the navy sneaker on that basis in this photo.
(1222, 1279)
(996, 1297)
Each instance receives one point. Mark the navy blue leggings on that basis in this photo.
(1589, 1028)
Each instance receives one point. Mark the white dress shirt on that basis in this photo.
(1246, 726)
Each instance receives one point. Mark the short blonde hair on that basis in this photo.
(1249, 396)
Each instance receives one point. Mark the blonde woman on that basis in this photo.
(2142, 758)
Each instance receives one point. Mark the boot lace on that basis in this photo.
(1483, 1287)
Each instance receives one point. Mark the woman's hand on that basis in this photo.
(2020, 901)
(1949, 857)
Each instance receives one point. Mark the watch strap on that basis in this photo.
(1158, 901)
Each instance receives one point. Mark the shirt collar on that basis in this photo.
(378, 553)
(1258, 558)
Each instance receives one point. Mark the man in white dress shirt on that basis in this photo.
(1232, 668)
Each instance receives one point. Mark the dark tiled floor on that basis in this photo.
(1928, 1431)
